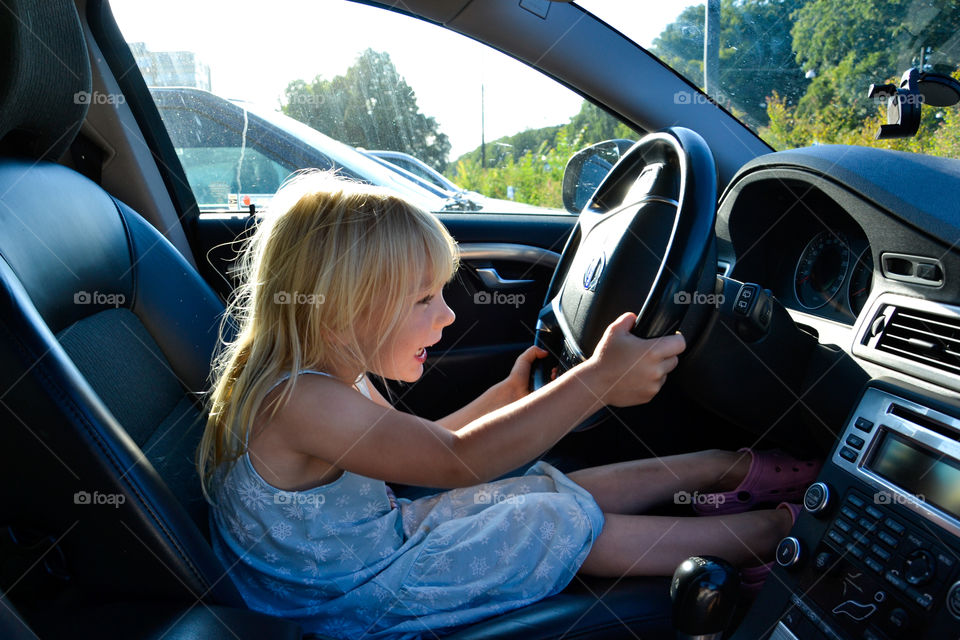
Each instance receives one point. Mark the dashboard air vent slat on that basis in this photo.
(924, 337)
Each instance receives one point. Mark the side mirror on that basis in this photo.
(587, 168)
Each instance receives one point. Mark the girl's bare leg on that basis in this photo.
(636, 486)
(656, 545)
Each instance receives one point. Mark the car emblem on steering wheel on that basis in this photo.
(592, 274)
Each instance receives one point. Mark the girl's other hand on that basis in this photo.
(628, 370)
(517, 383)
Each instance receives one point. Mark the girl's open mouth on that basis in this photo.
(421, 355)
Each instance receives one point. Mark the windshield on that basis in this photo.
(797, 72)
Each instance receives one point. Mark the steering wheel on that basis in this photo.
(645, 240)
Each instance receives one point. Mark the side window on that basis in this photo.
(500, 132)
(225, 170)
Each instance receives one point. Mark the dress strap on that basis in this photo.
(361, 385)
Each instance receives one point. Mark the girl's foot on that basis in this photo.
(752, 578)
(771, 476)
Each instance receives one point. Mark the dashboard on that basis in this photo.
(859, 246)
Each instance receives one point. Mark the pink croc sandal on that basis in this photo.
(773, 476)
(752, 578)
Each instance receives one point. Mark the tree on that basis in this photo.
(370, 106)
(756, 54)
(533, 161)
(853, 43)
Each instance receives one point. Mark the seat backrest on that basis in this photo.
(106, 338)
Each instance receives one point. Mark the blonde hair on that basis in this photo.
(325, 280)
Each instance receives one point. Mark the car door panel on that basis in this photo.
(493, 325)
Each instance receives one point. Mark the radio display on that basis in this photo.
(932, 477)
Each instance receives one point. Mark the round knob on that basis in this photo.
(919, 567)
(816, 498)
(704, 590)
(788, 552)
(953, 600)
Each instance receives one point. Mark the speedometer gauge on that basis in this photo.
(860, 281)
(821, 269)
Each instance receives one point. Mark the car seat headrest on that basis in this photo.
(45, 85)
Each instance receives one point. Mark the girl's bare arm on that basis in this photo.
(328, 420)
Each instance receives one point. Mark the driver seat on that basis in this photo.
(106, 337)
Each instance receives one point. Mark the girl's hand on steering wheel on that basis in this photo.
(517, 383)
(630, 370)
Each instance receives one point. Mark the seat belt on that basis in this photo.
(87, 157)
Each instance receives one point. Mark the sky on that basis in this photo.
(254, 49)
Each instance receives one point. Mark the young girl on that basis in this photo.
(347, 279)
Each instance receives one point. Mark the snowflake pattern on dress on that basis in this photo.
(547, 530)
(254, 496)
(281, 531)
(347, 564)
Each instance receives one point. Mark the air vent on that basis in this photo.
(924, 337)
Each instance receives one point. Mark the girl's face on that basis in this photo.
(404, 355)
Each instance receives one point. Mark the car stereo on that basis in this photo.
(876, 552)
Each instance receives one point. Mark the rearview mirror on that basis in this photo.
(587, 168)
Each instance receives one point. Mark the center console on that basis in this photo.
(875, 554)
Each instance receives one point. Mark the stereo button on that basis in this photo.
(894, 526)
(881, 552)
(849, 513)
(863, 424)
(924, 600)
(843, 525)
(788, 552)
(855, 441)
(887, 538)
(867, 525)
(861, 538)
(816, 498)
(919, 567)
(895, 580)
(875, 566)
(855, 551)
(874, 513)
(856, 500)
(848, 454)
(899, 619)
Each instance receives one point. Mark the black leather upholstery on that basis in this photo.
(587, 608)
(62, 237)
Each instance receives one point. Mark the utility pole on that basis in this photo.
(711, 50)
(483, 139)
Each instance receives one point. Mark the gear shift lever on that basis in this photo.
(704, 590)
